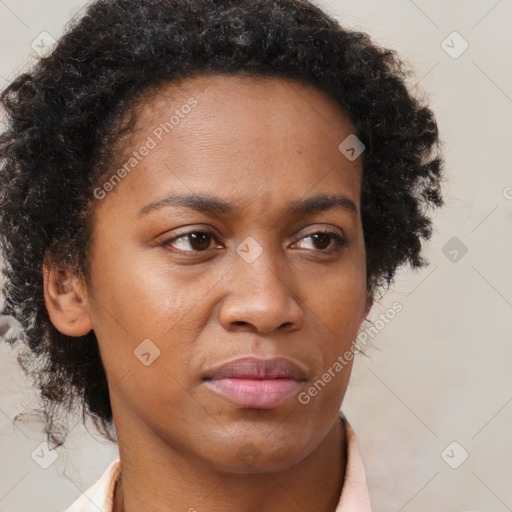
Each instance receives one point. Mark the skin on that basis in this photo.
(257, 143)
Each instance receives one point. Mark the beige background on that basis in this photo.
(440, 371)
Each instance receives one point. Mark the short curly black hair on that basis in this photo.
(63, 118)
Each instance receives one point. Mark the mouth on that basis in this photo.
(256, 383)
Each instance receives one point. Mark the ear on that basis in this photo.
(66, 300)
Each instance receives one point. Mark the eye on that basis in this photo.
(322, 240)
(199, 241)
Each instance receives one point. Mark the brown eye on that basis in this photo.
(198, 241)
(323, 239)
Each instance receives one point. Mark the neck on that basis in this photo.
(172, 484)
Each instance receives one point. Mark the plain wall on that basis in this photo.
(440, 371)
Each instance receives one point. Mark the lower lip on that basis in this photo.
(255, 393)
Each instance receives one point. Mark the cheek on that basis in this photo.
(146, 324)
(135, 300)
(142, 295)
(336, 294)
(337, 307)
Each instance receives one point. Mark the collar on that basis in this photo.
(354, 494)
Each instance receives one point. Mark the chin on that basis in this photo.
(251, 458)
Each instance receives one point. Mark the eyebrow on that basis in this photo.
(217, 206)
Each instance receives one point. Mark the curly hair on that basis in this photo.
(65, 115)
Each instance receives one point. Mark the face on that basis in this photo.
(256, 269)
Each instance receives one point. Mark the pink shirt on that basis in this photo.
(354, 495)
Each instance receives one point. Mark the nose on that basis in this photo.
(260, 298)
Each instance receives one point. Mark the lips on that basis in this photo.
(256, 383)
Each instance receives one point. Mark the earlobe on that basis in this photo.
(66, 301)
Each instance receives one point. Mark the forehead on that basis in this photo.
(241, 101)
(250, 138)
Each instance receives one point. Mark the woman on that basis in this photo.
(200, 202)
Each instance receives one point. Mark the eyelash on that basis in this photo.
(340, 242)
